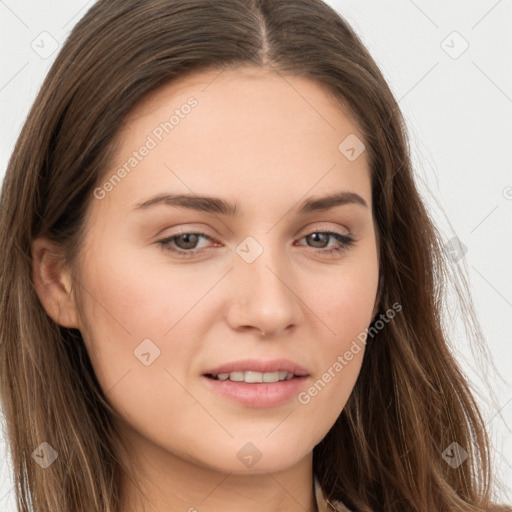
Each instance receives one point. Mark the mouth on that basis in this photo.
(257, 383)
(253, 376)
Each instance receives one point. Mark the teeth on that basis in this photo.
(252, 377)
(270, 377)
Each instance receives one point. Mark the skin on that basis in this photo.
(265, 142)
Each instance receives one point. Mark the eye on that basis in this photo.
(188, 244)
(184, 244)
(321, 239)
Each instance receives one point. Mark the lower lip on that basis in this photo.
(258, 394)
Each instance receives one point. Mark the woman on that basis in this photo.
(221, 288)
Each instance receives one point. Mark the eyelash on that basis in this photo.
(345, 240)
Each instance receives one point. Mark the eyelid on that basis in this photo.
(325, 227)
(305, 231)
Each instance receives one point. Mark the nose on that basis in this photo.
(264, 297)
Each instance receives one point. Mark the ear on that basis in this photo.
(52, 282)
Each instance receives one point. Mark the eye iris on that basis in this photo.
(190, 240)
(318, 238)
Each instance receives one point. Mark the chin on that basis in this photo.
(257, 456)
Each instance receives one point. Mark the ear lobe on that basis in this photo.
(53, 283)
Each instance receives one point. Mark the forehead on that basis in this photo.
(250, 133)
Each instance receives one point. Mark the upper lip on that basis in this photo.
(259, 365)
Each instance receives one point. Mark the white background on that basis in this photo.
(459, 115)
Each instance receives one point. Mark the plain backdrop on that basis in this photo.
(450, 66)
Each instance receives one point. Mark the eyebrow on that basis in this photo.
(222, 207)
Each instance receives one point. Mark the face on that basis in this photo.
(219, 231)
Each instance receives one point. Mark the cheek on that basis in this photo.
(138, 295)
(343, 297)
(128, 311)
(125, 305)
(343, 303)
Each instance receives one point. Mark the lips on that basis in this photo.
(258, 366)
(257, 383)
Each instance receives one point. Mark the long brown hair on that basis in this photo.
(410, 402)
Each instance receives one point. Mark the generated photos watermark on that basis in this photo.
(304, 397)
